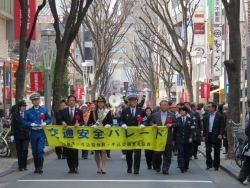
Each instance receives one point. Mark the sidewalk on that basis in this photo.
(229, 166)
(8, 165)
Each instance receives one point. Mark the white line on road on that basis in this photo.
(147, 181)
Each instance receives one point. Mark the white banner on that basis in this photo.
(217, 12)
(217, 47)
(199, 39)
(243, 40)
(198, 17)
(199, 48)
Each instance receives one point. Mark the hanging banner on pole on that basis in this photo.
(183, 97)
(205, 91)
(36, 81)
(78, 93)
(217, 49)
(18, 19)
(217, 12)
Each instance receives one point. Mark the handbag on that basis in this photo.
(246, 151)
(197, 140)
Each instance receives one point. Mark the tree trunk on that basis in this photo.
(233, 66)
(153, 97)
(94, 86)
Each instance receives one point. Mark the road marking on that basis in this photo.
(148, 181)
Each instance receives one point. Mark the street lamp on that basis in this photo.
(47, 69)
(86, 66)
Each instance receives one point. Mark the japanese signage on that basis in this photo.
(189, 37)
(200, 49)
(36, 81)
(217, 47)
(183, 97)
(199, 28)
(199, 39)
(243, 40)
(78, 92)
(217, 12)
(198, 17)
(6, 93)
(18, 19)
(113, 138)
(205, 91)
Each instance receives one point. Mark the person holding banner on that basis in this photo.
(164, 118)
(101, 117)
(72, 117)
(130, 117)
(36, 117)
(86, 114)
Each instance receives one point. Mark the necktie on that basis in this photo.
(22, 115)
(183, 121)
(71, 114)
(133, 112)
(163, 118)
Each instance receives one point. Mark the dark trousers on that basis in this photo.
(85, 153)
(245, 170)
(149, 157)
(183, 155)
(22, 151)
(137, 159)
(72, 158)
(167, 154)
(60, 151)
(216, 146)
(195, 148)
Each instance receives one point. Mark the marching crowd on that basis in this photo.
(188, 125)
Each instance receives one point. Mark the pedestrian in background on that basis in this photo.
(21, 135)
(86, 114)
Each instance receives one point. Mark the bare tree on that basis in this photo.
(173, 46)
(105, 24)
(233, 65)
(78, 10)
(24, 45)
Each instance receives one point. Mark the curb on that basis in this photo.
(47, 152)
(226, 168)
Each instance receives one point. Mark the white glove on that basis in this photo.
(33, 125)
(94, 126)
(124, 126)
(142, 126)
(11, 138)
(43, 124)
(107, 126)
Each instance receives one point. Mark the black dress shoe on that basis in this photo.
(208, 168)
(71, 171)
(216, 168)
(195, 157)
(25, 168)
(129, 171)
(165, 172)
(136, 172)
(149, 167)
(76, 171)
(59, 157)
(63, 157)
(158, 169)
(20, 169)
(182, 170)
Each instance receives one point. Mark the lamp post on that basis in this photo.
(86, 66)
(47, 69)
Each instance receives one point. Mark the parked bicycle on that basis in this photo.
(238, 133)
(5, 129)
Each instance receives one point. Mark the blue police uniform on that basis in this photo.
(37, 136)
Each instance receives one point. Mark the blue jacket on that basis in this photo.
(182, 133)
(33, 116)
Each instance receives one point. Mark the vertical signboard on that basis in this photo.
(18, 19)
(243, 40)
(78, 93)
(217, 12)
(205, 91)
(36, 81)
(217, 47)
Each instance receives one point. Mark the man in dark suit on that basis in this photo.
(160, 119)
(183, 136)
(60, 152)
(214, 127)
(20, 134)
(68, 119)
(129, 118)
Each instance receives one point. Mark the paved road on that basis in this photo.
(56, 175)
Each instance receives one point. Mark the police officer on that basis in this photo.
(21, 135)
(183, 136)
(129, 118)
(33, 118)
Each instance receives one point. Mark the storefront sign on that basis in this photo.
(217, 48)
(217, 12)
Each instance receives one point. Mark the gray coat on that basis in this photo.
(156, 119)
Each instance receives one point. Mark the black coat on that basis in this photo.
(58, 117)
(94, 117)
(128, 119)
(18, 130)
(198, 125)
(218, 127)
(65, 116)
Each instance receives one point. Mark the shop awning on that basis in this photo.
(218, 91)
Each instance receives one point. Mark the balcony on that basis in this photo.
(6, 9)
